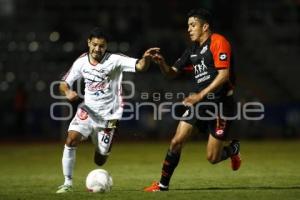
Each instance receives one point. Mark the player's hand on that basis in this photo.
(71, 95)
(192, 99)
(151, 52)
(159, 59)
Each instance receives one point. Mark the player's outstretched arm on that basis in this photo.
(65, 90)
(165, 69)
(144, 63)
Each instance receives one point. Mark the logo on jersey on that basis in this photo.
(223, 56)
(204, 49)
(96, 80)
(200, 68)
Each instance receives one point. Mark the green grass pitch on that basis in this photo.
(270, 170)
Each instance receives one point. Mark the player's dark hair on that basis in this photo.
(97, 33)
(201, 14)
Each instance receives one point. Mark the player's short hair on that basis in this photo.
(201, 14)
(97, 32)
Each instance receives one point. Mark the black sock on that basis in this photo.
(230, 150)
(170, 163)
(235, 145)
(227, 152)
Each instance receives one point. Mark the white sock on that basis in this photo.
(68, 162)
(162, 186)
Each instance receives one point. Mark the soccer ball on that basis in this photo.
(99, 180)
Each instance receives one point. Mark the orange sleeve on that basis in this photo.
(221, 51)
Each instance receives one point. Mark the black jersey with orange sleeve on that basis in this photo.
(213, 55)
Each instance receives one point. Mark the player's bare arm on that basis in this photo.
(166, 70)
(144, 63)
(221, 78)
(65, 90)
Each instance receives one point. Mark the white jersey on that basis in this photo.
(102, 96)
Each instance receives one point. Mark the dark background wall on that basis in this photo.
(40, 39)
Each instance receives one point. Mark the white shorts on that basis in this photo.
(100, 131)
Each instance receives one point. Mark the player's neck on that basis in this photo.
(93, 61)
(204, 37)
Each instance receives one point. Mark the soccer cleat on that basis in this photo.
(235, 162)
(64, 189)
(236, 158)
(154, 187)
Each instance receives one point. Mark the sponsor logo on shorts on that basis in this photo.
(219, 132)
(112, 124)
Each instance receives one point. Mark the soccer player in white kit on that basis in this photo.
(102, 107)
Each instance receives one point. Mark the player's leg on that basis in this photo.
(69, 155)
(235, 157)
(103, 142)
(214, 149)
(68, 160)
(171, 161)
(233, 149)
(103, 139)
(79, 128)
(217, 150)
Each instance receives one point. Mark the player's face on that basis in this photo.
(97, 47)
(195, 29)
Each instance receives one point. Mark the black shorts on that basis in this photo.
(214, 117)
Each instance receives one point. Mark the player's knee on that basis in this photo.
(71, 142)
(100, 159)
(176, 145)
(73, 139)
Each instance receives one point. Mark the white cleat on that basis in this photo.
(64, 189)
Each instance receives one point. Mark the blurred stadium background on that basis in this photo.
(40, 39)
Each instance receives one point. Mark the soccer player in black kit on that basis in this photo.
(211, 58)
